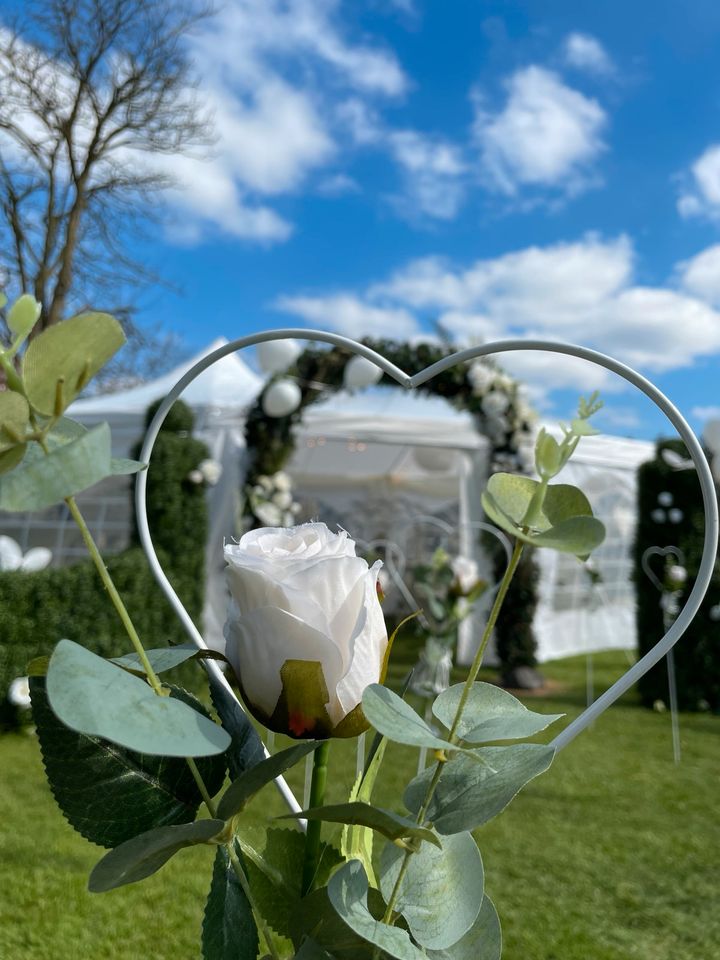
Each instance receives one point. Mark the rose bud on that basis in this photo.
(305, 634)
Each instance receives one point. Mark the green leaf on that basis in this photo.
(357, 841)
(391, 825)
(110, 794)
(312, 951)
(65, 429)
(490, 713)
(14, 416)
(44, 480)
(483, 941)
(122, 467)
(165, 658)
(244, 788)
(93, 696)
(316, 918)
(246, 749)
(581, 428)
(565, 522)
(475, 786)
(397, 720)
(10, 459)
(142, 856)
(441, 892)
(72, 351)
(229, 931)
(23, 315)
(348, 892)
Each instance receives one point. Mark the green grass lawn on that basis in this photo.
(613, 854)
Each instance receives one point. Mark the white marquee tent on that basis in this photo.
(373, 462)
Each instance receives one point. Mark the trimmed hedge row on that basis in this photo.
(38, 609)
(661, 491)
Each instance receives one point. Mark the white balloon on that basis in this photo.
(281, 398)
(360, 372)
(275, 356)
(36, 559)
(10, 554)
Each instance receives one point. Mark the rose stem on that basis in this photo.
(317, 795)
(472, 674)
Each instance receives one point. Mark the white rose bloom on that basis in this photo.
(677, 574)
(282, 480)
(19, 693)
(480, 377)
(466, 572)
(195, 477)
(268, 513)
(211, 471)
(306, 635)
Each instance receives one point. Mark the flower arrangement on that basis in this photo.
(130, 757)
(270, 500)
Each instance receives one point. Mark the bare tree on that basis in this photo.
(91, 93)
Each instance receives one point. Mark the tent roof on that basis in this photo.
(228, 383)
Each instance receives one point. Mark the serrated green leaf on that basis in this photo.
(229, 931)
(441, 892)
(43, 480)
(23, 315)
(93, 696)
(142, 856)
(397, 720)
(389, 824)
(483, 941)
(110, 794)
(475, 786)
(244, 788)
(246, 748)
(72, 351)
(348, 892)
(14, 416)
(490, 713)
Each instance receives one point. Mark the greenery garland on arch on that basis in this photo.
(480, 387)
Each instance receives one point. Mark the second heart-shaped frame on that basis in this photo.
(707, 487)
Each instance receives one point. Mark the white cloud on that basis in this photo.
(701, 195)
(351, 316)
(700, 275)
(706, 413)
(547, 135)
(585, 52)
(338, 185)
(433, 171)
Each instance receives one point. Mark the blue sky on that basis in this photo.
(540, 168)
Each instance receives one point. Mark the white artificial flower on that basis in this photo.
(295, 508)
(211, 471)
(504, 382)
(480, 377)
(12, 558)
(195, 477)
(19, 693)
(266, 483)
(306, 635)
(466, 572)
(282, 499)
(494, 404)
(269, 514)
(677, 574)
(282, 481)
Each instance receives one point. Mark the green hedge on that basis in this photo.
(697, 654)
(38, 609)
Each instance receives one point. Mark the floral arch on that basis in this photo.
(495, 401)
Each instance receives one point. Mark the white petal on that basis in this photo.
(254, 588)
(368, 645)
(259, 644)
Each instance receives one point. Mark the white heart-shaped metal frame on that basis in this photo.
(707, 487)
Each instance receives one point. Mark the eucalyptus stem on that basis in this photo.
(314, 827)
(471, 677)
(115, 597)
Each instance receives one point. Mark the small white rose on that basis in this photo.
(281, 480)
(495, 404)
(211, 471)
(466, 572)
(282, 499)
(19, 693)
(269, 514)
(480, 377)
(306, 634)
(195, 476)
(677, 574)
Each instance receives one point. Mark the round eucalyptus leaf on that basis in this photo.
(441, 892)
(490, 713)
(14, 416)
(72, 352)
(396, 719)
(483, 941)
(23, 315)
(391, 825)
(348, 892)
(94, 696)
